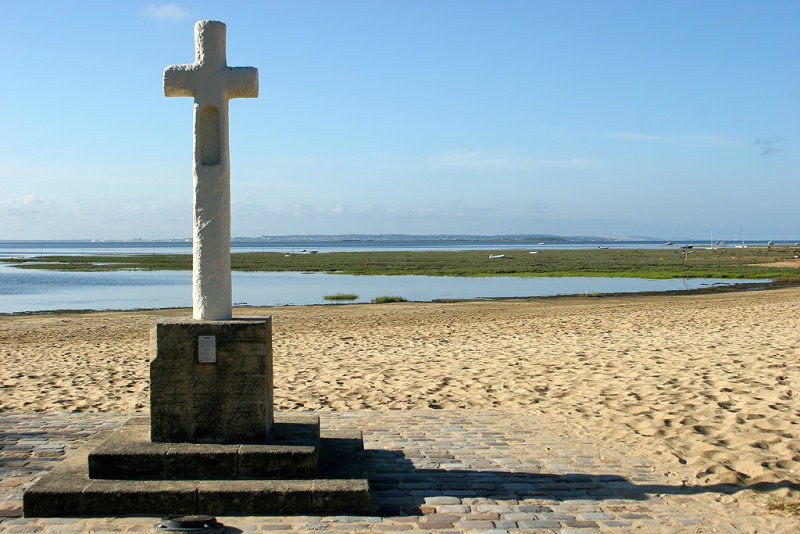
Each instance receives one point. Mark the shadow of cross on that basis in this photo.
(212, 83)
(399, 488)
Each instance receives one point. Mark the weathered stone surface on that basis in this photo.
(122, 455)
(59, 492)
(331, 496)
(202, 461)
(255, 497)
(212, 83)
(291, 452)
(154, 497)
(334, 490)
(279, 461)
(229, 401)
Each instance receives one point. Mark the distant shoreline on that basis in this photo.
(401, 238)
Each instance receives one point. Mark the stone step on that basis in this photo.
(339, 487)
(289, 453)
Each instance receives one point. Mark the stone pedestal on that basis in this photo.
(211, 445)
(297, 471)
(228, 400)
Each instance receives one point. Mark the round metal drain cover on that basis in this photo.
(190, 523)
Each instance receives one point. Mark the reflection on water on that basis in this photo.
(36, 290)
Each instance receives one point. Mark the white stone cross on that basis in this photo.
(212, 83)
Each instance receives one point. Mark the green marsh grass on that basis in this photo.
(753, 263)
(387, 299)
(341, 297)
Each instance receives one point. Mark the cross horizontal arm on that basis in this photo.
(178, 80)
(232, 82)
(241, 82)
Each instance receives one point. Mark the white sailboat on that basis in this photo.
(712, 247)
(741, 237)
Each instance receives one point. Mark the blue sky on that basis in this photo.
(665, 118)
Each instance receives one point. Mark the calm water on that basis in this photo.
(36, 290)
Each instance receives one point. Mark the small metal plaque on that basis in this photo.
(207, 352)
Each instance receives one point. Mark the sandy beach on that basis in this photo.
(704, 382)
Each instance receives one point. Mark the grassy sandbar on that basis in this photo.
(757, 263)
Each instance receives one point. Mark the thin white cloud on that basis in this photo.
(166, 12)
(504, 160)
(301, 209)
(16, 171)
(477, 159)
(19, 204)
(640, 137)
(573, 163)
(689, 140)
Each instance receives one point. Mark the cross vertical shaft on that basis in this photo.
(212, 83)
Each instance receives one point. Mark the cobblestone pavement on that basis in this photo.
(436, 471)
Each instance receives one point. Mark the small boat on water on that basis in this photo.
(602, 247)
(713, 245)
(668, 243)
(741, 238)
(496, 256)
